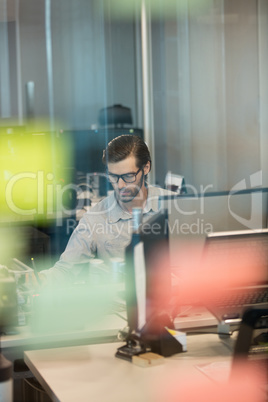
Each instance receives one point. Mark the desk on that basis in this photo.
(107, 327)
(61, 320)
(106, 330)
(93, 373)
(13, 346)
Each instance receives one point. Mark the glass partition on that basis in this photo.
(191, 74)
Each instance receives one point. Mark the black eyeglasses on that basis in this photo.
(127, 177)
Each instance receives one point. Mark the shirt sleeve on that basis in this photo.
(80, 248)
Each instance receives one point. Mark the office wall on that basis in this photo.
(33, 62)
(212, 97)
(121, 63)
(242, 90)
(8, 73)
(76, 57)
(263, 84)
(210, 91)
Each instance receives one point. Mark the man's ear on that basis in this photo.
(147, 168)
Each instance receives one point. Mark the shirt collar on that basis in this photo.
(116, 213)
(152, 200)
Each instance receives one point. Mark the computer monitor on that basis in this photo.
(148, 281)
(148, 292)
(193, 217)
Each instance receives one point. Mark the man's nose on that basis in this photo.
(121, 183)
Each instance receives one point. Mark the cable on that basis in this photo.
(120, 316)
(230, 333)
(35, 387)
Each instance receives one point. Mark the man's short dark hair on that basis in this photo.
(124, 146)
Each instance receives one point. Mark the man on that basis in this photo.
(105, 231)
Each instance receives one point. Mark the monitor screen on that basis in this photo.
(193, 217)
(244, 253)
(148, 280)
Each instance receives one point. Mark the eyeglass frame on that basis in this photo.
(121, 176)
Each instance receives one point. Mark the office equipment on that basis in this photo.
(116, 115)
(24, 290)
(148, 360)
(191, 218)
(247, 276)
(8, 300)
(30, 101)
(253, 318)
(148, 291)
(195, 318)
(249, 354)
(194, 216)
(141, 256)
(35, 272)
(175, 182)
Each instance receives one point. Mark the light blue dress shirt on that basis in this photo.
(103, 232)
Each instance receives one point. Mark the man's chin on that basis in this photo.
(126, 196)
(125, 199)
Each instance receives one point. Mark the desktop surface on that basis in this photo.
(94, 373)
(24, 338)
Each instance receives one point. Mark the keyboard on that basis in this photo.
(235, 302)
(231, 247)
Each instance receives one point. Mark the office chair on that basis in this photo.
(116, 115)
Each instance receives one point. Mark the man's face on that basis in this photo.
(126, 192)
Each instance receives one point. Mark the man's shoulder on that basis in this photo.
(103, 206)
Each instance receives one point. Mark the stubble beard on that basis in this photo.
(132, 192)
